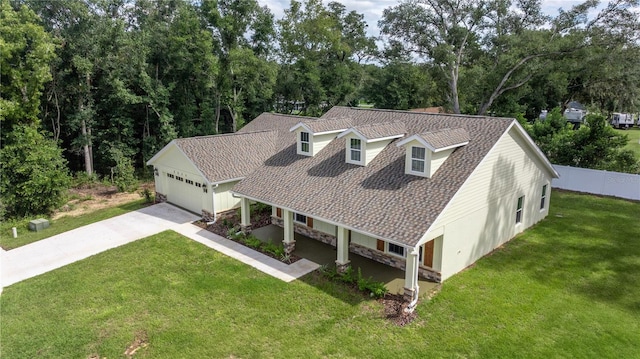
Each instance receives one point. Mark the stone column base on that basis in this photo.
(246, 229)
(208, 216)
(160, 197)
(409, 294)
(342, 267)
(289, 247)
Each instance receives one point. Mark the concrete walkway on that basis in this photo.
(48, 254)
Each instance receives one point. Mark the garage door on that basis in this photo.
(184, 193)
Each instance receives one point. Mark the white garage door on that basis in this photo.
(185, 193)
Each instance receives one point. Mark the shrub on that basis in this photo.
(147, 194)
(252, 241)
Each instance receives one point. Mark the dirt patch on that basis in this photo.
(89, 198)
(141, 340)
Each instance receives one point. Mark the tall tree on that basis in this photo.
(320, 53)
(33, 172)
(509, 40)
(239, 26)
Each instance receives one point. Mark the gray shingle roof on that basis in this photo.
(326, 125)
(446, 137)
(379, 199)
(225, 157)
(273, 121)
(381, 130)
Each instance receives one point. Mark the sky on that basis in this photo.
(372, 9)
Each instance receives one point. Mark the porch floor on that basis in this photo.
(322, 254)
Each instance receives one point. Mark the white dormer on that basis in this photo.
(364, 143)
(313, 136)
(426, 152)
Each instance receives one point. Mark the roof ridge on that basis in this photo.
(422, 113)
(289, 115)
(230, 134)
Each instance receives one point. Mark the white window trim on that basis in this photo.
(295, 218)
(308, 142)
(543, 197)
(423, 160)
(360, 150)
(404, 250)
(519, 210)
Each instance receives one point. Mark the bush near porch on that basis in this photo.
(568, 287)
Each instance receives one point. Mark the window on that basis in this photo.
(519, 210)
(301, 218)
(396, 249)
(170, 175)
(304, 141)
(180, 178)
(356, 149)
(189, 181)
(418, 155)
(543, 197)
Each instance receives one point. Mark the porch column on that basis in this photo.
(289, 241)
(245, 215)
(342, 246)
(411, 289)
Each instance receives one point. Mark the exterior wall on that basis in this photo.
(324, 227)
(363, 240)
(373, 149)
(481, 216)
(174, 162)
(437, 159)
(321, 141)
(361, 244)
(223, 199)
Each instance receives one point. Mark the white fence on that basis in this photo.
(623, 185)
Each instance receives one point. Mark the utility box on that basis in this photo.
(38, 224)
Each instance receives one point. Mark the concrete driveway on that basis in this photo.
(40, 257)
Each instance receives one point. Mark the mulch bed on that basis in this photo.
(231, 219)
(394, 310)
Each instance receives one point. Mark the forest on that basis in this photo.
(96, 87)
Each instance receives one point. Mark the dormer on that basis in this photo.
(364, 143)
(313, 136)
(426, 152)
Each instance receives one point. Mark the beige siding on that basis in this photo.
(324, 227)
(224, 199)
(363, 240)
(321, 141)
(174, 159)
(373, 149)
(437, 159)
(481, 216)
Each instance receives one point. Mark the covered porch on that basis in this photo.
(324, 254)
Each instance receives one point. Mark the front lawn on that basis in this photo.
(634, 140)
(569, 288)
(60, 225)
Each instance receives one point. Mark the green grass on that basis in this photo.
(60, 225)
(567, 288)
(634, 140)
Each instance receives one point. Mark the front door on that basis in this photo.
(428, 254)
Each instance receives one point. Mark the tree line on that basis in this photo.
(99, 86)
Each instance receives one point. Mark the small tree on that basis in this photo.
(123, 173)
(35, 178)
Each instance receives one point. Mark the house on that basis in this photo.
(426, 193)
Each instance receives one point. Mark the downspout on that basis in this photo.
(213, 203)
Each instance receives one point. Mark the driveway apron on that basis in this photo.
(65, 248)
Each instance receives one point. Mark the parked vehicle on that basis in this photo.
(621, 120)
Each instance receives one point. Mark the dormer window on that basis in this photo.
(363, 143)
(418, 158)
(356, 150)
(426, 152)
(314, 135)
(304, 142)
